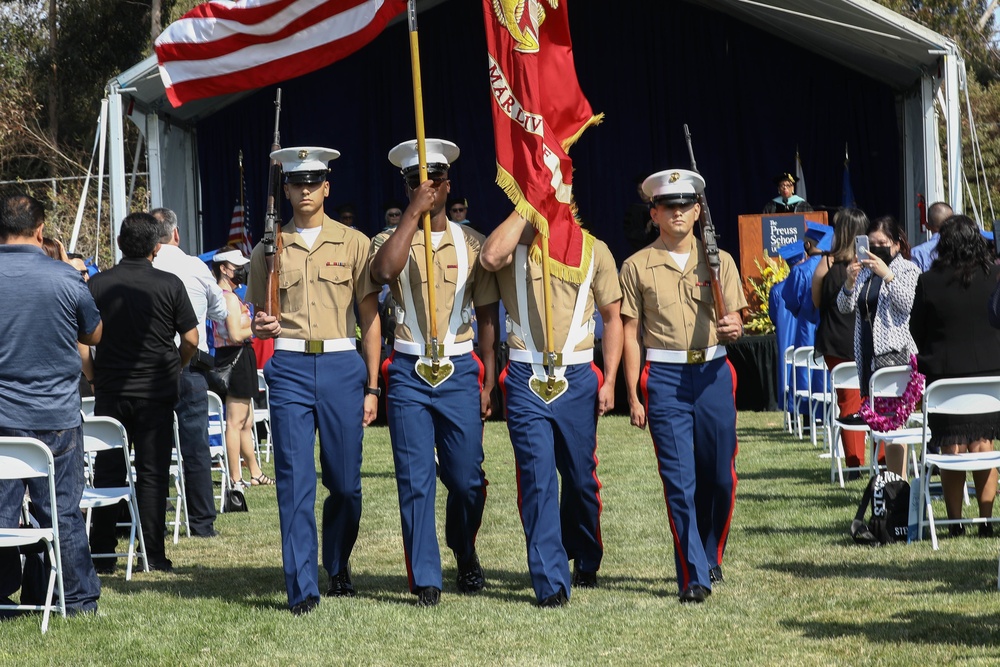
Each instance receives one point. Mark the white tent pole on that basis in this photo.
(100, 179)
(135, 168)
(953, 127)
(977, 158)
(119, 207)
(101, 119)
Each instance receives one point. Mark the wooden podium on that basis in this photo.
(752, 241)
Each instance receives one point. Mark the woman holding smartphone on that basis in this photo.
(835, 333)
(879, 290)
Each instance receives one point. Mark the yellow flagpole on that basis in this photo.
(418, 112)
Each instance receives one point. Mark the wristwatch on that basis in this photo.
(373, 391)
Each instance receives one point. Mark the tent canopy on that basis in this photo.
(858, 74)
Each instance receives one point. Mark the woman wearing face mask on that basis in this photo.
(879, 289)
(232, 342)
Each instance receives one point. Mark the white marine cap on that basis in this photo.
(232, 256)
(674, 185)
(439, 152)
(305, 164)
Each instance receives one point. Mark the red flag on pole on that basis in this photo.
(538, 112)
(238, 235)
(226, 47)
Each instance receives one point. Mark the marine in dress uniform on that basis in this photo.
(317, 379)
(787, 201)
(427, 407)
(559, 435)
(687, 383)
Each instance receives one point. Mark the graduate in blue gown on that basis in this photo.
(784, 321)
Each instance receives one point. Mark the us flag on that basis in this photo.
(239, 231)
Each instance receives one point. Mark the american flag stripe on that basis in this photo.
(221, 48)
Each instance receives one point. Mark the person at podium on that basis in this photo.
(786, 201)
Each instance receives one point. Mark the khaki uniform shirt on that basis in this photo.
(604, 290)
(317, 287)
(480, 284)
(675, 307)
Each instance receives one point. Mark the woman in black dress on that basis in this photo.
(950, 326)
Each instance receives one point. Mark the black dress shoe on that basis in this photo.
(164, 565)
(986, 530)
(584, 579)
(428, 596)
(304, 607)
(696, 593)
(956, 530)
(557, 600)
(471, 578)
(853, 420)
(341, 585)
(715, 575)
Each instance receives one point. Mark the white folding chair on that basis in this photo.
(217, 444)
(28, 458)
(891, 382)
(179, 499)
(800, 395)
(87, 406)
(819, 397)
(262, 415)
(958, 396)
(786, 389)
(843, 376)
(102, 434)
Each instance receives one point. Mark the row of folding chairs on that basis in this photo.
(815, 397)
(958, 396)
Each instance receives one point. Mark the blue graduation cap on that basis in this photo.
(792, 253)
(821, 235)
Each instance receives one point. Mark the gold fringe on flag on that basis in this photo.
(570, 274)
(572, 139)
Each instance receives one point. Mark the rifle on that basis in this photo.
(708, 240)
(272, 235)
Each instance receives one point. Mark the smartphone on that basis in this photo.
(861, 247)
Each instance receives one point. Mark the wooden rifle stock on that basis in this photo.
(708, 240)
(272, 232)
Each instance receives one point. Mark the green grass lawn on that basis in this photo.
(797, 590)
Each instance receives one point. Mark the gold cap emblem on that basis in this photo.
(303, 154)
(674, 177)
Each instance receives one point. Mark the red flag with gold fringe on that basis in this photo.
(538, 112)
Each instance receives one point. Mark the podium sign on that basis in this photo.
(762, 234)
(780, 230)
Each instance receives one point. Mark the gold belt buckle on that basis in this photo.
(696, 356)
(314, 347)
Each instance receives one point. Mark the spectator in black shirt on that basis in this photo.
(137, 368)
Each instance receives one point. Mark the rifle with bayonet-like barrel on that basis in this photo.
(272, 232)
(708, 240)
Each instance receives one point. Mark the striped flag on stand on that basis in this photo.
(239, 233)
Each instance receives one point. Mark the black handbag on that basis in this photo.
(218, 377)
(234, 501)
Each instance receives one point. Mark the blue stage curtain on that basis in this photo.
(749, 98)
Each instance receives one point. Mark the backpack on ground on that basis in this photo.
(888, 494)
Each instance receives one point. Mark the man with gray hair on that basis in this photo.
(207, 300)
(924, 254)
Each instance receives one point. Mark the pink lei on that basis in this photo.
(890, 413)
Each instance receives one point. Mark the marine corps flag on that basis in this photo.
(538, 112)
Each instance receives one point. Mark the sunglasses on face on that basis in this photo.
(394, 214)
(413, 182)
(458, 209)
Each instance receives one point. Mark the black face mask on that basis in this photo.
(882, 252)
(240, 275)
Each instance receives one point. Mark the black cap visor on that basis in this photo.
(303, 177)
(675, 200)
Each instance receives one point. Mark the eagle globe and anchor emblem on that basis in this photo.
(522, 19)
